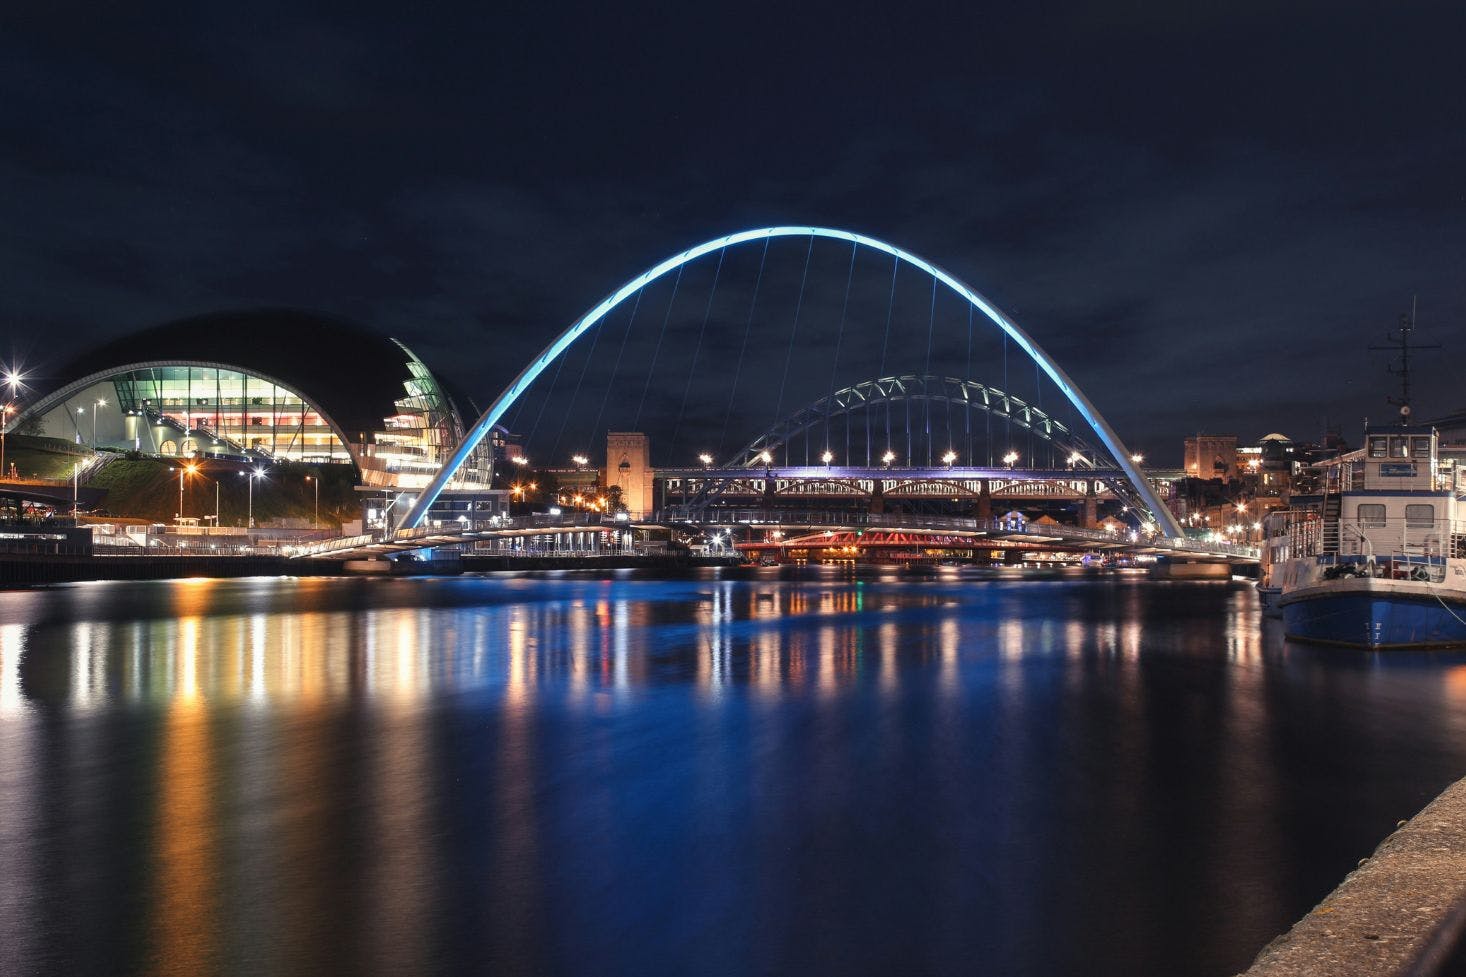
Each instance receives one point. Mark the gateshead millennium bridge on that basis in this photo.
(785, 477)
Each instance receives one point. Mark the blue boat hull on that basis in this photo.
(1376, 620)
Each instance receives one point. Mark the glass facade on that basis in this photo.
(184, 410)
(196, 411)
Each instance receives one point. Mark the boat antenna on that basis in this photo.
(1399, 342)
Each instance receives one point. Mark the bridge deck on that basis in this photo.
(984, 531)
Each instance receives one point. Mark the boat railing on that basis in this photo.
(1292, 532)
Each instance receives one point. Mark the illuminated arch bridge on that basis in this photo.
(1118, 454)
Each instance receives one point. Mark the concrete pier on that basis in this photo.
(1399, 914)
(1191, 570)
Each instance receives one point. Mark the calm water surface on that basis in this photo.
(723, 775)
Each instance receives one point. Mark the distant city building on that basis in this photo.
(629, 467)
(1211, 456)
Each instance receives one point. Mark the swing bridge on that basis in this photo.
(899, 458)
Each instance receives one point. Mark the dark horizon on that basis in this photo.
(1191, 210)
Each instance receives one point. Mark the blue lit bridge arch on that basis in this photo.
(585, 323)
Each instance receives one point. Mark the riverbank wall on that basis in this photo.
(1401, 913)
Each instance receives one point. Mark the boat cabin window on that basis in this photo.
(1372, 514)
(1420, 447)
(1379, 447)
(1420, 515)
(1399, 447)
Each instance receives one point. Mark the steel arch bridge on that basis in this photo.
(590, 319)
(970, 395)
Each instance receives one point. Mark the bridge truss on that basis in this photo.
(830, 419)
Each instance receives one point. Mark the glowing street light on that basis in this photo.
(100, 403)
(1137, 458)
(706, 459)
(766, 458)
(520, 460)
(888, 457)
(252, 476)
(15, 380)
(5, 413)
(948, 458)
(1010, 459)
(182, 471)
(827, 457)
(580, 461)
(316, 512)
(1075, 459)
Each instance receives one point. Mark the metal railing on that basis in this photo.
(1401, 536)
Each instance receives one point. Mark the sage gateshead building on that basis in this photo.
(264, 385)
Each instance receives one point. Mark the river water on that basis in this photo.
(735, 774)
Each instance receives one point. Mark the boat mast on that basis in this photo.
(1399, 342)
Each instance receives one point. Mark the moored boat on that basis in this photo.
(1376, 560)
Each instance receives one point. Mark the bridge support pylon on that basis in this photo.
(1091, 513)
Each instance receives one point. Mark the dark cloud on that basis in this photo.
(1204, 211)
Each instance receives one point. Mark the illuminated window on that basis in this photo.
(1379, 447)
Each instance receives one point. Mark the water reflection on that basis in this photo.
(704, 775)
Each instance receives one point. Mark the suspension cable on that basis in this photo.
(747, 328)
(793, 332)
(840, 338)
(616, 368)
(967, 389)
(657, 350)
(885, 342)
(931, 322)
(696, 350)
(549, 394)
(584, 369)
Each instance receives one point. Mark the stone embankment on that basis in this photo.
(1401, 913)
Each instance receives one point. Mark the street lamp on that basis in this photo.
(520, 460)
(766, 458)
(949, 457)
(252, 475)
(80, 413)
(316, 512)
(1137, 458)
(100, 403)
(1010, 459)
(183, 470)
(4, 423)
(706, 459)
(888, 457)
(827, 457)
(580, 461)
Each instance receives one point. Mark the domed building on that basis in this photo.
(263, 385)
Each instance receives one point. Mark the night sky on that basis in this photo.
(1206, 211)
